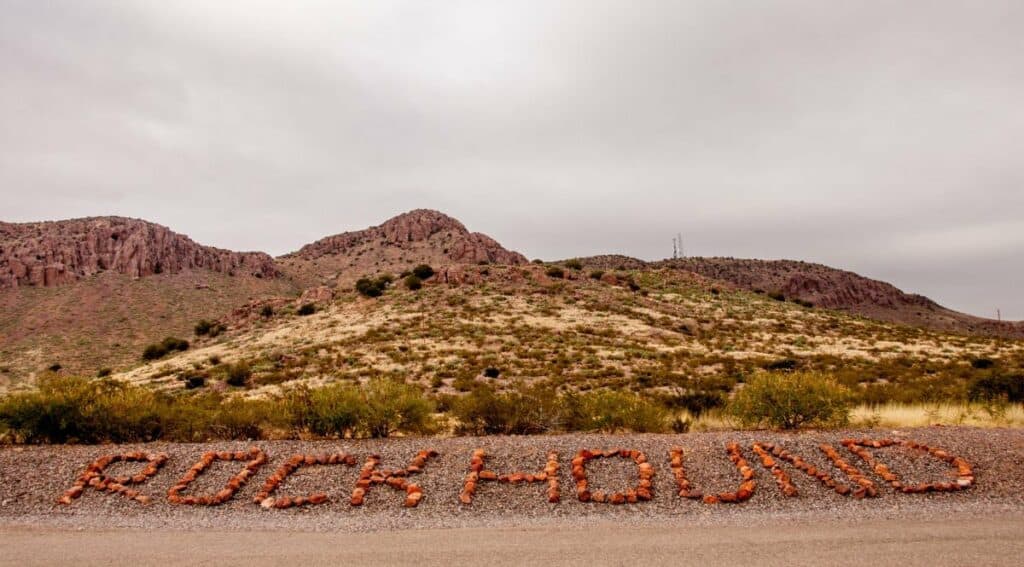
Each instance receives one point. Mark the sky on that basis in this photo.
(876, 136)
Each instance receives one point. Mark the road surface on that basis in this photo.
(975, 542)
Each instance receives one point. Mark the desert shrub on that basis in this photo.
(371, 287)
(782, 365)
(573, 264)
(389, 406)
(195, 381)
(555, 272)
(267, 312)
(804, 303)
(172, 344)
(596, 274)
(521, 411)
(997, 387)
(413, 283)
(492, 372)
(611, 411)
(333, 410)
(632, 284)
(154, 351)
(982, 363)
(697, 403)
(237, 374)
(55, 367)
(423, 271)
(163, 348)
(104, 372)
(66, 409)
(791, 400)
(214, 360)
(777, 295)
(203, 327)
(306, 309)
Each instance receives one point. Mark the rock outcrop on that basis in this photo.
(451, 238)
(61, 252)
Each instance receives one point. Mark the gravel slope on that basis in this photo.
(32, 478)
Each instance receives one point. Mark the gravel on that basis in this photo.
(32, 478)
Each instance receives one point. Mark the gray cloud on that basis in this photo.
(881, 137)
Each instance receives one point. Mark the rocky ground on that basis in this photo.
(33, 478)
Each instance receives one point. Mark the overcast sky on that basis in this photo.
(882, 137)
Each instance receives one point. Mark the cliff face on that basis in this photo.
(60, 252)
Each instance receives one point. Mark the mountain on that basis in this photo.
(420, 236)
(87, 294)
(90, 293)
(61, 252)
(823, 287)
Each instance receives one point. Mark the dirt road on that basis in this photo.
(976, 542)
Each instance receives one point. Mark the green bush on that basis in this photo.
(609, 411)
(555, 272)
(332, 410)
(66, 409)
(389, 406)
(596, 274)
(237, 374)
(163, 348)
(372, 287)
(573, 264)
(997, 387)
(413, 283)
(203, 328)
(982, 363)
(154, 351)
(521, 411)
(791, 400)
(423, 271)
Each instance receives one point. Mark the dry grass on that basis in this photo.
(923, 415)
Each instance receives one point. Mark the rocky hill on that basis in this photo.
(56, 253)
(416, 237)
(831, 288)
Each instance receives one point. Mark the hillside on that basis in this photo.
(662, 332)
(88, 294)
(824, 287)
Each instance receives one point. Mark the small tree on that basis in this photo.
(790, 401)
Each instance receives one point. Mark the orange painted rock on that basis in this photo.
(318, 498)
